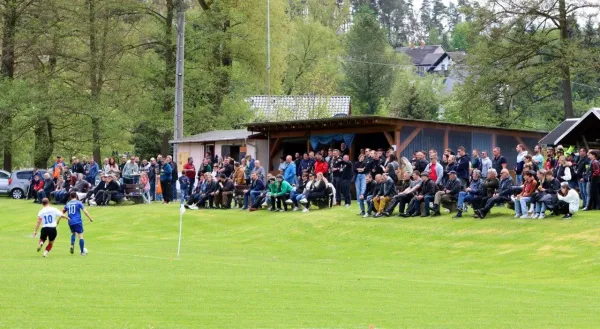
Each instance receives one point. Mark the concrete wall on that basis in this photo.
(197, 150)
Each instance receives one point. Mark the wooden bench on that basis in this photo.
(134, 192)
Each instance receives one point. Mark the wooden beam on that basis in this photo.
(585, 142)
(520, 141)
(493, 141)
(446, 139)
(307, 145)
(409, 139)
(389, 138)
(397, 138)
(274, 148)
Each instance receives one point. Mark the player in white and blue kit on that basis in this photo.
(73, 209)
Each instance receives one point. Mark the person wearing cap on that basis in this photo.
(425, 194)
(448, 193)
(224, 193)
(529, 187)
(405, 195)
(568, 201)
(473, 191)
(280, 193)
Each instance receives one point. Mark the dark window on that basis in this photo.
(24, 174)
(4, 175)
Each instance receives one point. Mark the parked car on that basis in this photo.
(18, 183)
(4, 181)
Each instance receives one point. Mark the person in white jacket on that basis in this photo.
(568, 201)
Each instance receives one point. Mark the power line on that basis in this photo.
(375, 63)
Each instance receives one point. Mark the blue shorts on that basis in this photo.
(76, 228)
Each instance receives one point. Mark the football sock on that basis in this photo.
(72, 239)
(41, 242)
(81, 244)
(49, 247)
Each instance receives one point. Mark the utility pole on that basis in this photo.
(178, 131)
(269, 103)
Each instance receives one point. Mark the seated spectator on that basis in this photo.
(224, 193)
(97, 191)
(254, 189)
(546, 191)
(488, 188)
(474, 190)
(111, 192)
(318, 190)
(280, 193)
(502, 195)
(207, 192)
(59, 186)
(47, 188)
(384, 195)
(568, 202)
(425, 194)
(370, 192)
(448, 193)
(407, 190)
(529, 186)
(81, 187)
(31, 192)
(298, 192)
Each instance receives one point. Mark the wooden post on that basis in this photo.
(397, 139)
(446, 139)
(307, 144)
(493, 141)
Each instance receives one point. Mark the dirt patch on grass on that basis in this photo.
(589, 236)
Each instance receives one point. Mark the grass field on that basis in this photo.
(324, 269)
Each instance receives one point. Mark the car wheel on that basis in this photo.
(17, 193)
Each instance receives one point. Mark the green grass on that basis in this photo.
(325, 269)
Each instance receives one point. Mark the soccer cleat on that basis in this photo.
(84, 254)
(72, 250)
(305, 210)
(45, 253)
(40, 247)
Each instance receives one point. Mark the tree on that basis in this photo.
(415, 97)
(370, 66)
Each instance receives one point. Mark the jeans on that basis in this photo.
(583, 189)
(293, 196)
(428, 198)
(519, 180)
(183, 194)
(174, 187)
(146, 196)
(464, 197)
(361, 185)
(191, 186)
(540, 207)
(369, 204)
(521, 205)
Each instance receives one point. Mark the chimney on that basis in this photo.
(412, 45)
(422, 44)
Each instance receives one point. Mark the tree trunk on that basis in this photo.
(564, 65)
(7, 71)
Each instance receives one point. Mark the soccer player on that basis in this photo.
(48, 217)
(73, 209)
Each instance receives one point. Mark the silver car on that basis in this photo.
(18, 183)
(4, 181)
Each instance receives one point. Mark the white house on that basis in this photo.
(428, 59)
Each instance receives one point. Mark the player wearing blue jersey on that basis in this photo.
(73, 209)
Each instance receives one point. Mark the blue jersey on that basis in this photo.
(73, 209)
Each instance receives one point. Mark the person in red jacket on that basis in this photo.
(321, 165)
(37, 185)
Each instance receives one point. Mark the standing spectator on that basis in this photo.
(92, 172)
(563, 170)
(123, 163)
(113, 168)
(282, 164)
(538, 158)
(321, 165)
(580, 171)
(239, 176)
(174, 178)
(346, 173)
(550, 162)
(594, 181)
(166, 179)
(360, 181)
(344, 150)
(77, 167)
(336, 174)
(486, 164)
(184, 183)
(305, 164)
(521, 153)
(146, 182)
(391, 166)
(227, 168)
(259, 171)
(420, 162)
(190, 172)
(499, 161)
(131, 172)
(205, 167)
(463, 165)
(290, 170)
(435, 170)
(476, 161)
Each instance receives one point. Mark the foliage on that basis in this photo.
(416, 97)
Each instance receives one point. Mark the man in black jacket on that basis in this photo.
(450, 192)
(580, 171)
(224, 193)
(425, 193)
(254, 189)
(387, 191)
(109, 192)
(370, 192)
(175, 176)
(345, 180)
(337, 164)
(502, 195)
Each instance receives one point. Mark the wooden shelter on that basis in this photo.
(405, 136)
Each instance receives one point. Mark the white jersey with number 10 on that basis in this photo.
(49, 216)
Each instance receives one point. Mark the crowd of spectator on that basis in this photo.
(559, 182)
